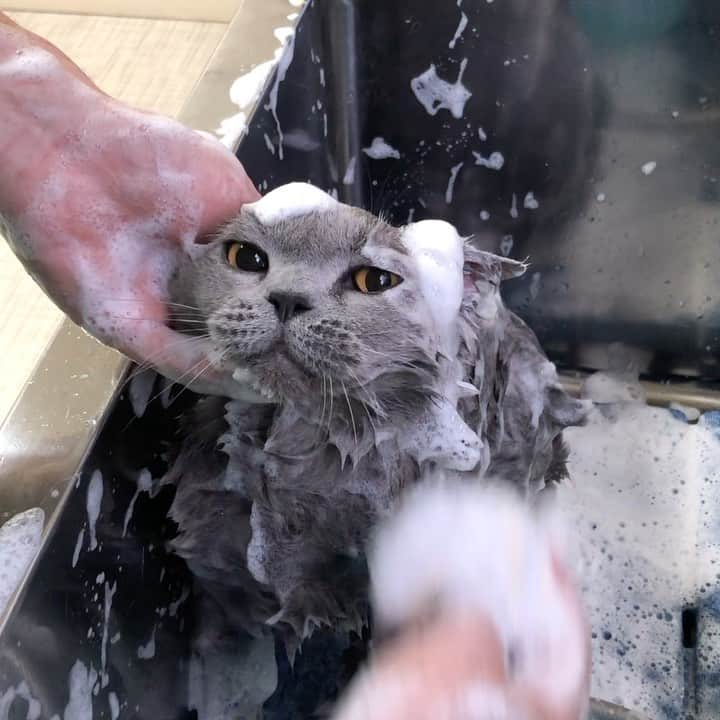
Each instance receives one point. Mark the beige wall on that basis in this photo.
(201, 10)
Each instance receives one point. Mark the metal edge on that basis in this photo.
(52, 426)
(689, 393)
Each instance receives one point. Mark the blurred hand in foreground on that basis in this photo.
(488, 624)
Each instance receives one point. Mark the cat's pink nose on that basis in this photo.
(287, 305)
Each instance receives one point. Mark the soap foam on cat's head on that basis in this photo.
(290, 201)
(438, 252)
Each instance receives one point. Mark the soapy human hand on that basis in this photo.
(100, 200)
(489, 624)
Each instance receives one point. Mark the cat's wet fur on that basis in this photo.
(276, 502)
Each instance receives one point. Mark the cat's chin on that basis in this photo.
(278, 378)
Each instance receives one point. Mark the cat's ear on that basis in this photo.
(484, 266)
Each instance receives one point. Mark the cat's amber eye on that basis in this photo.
(246, 256)
(370, 280)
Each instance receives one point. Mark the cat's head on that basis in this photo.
(320, 299)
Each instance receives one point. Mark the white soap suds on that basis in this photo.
(649, 168)
(482, 134)
(147, 651)
(290, 201)
(94, 501)
(140, 389)
(600, 197)
(494, 161)
(691, 414)
(232, 129)
(244, 92)
(78, 547)
(443, 437)
(283, 33)
(144, 484)
(613, 387)
(81, 683)
(283, 65)
(107, 606)
(460, 30)
(434, 93)
(246, 89)
(20, 539)
(645, 498)
(114, 705)
(484, 215)
(22, 691)
(269, 143)
(380, 150)
(349, 177)
(174, 606)
(437, 250)
(451, 182)
(506, 245)
(530, 202)
(514, 207)
(535, 285)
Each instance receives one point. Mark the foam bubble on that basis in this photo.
(434, 93)
(290, 201)
(94, 500)
(381, 150)
(81, 683)
(645, 502)
(20, 539)
(494, 161)
(437, 250)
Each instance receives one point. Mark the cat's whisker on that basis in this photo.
(332, 394)
(208, 365)
(352, 415)
(155, 359)
(365, 404)
(140, 301)
(324, 402)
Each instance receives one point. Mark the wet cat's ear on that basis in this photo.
(484, 266)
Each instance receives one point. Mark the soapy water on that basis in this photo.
(81, 683)
(144, 485)
(462, 24)
(139, 390)
(436, 94)
(93, 502)
(644, 499)
(22, 691)
(20, 539)
(147, 651)
(494, 161)
(454, 171)
(381, 150)
(107, 606)
(349, 177)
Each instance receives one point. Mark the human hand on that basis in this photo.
(101, 200)
(489, 627)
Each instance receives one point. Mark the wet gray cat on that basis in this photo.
(326, 311)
